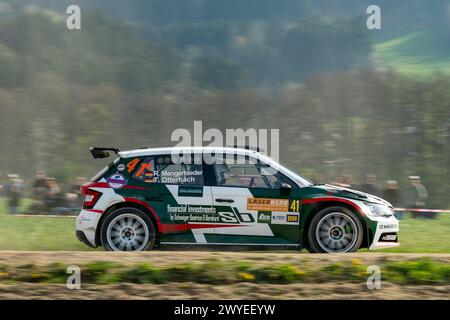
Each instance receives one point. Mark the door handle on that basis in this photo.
(225, 200)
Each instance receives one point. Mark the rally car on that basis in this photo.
(149, 198)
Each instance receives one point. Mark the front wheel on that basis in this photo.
(127, 229)
(333, 230)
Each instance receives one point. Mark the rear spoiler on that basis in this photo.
(100, 153)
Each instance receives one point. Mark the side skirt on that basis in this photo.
(231, 244)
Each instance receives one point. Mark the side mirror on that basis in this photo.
(285, 189)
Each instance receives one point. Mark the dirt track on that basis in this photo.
(181, 256)
(333, 290)
(235, 291)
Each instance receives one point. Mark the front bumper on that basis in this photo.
(384, 231)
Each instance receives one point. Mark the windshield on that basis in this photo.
(302, 181)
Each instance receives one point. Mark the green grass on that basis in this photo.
(415, 271)
(418, 54)
(40, 233)
(37, 233)
(424, 235)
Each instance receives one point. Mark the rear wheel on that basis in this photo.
(127, 229)
(334, 230)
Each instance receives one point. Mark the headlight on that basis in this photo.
(379, 210)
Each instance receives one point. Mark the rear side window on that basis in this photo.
(102, 172)
(161, 169)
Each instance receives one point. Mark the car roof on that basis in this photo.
(168, 150)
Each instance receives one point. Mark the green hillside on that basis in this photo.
(417, 53)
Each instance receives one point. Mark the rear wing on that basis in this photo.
(100, 153)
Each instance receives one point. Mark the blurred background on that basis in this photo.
(353, 105)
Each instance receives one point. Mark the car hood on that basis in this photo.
(338, 191)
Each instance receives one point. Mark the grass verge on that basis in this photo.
(215, 272)
(58, 234)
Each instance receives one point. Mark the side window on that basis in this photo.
(161, 169)
(243, 173)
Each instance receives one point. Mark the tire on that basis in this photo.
(127, 229)
(335, 230)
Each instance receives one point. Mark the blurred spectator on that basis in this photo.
(79, 182)
(1, 185)
(319, 179)
(416, 197)
(370, 186)
(348, 181)
(50, 198)
(73, 196)
(339, 181)
(54, 196)
(391, 193)
(13, 192)
(40, 180)
(47, 194)
(41, 188)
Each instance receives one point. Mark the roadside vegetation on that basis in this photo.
(36, 233)
(423, 271)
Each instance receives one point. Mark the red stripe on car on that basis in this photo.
(105, 185)
(94, 210)
(173, 228)
(158, 221)
(135, 187)
(323, 199)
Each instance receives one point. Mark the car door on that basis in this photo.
(254, 204)
(177, 193)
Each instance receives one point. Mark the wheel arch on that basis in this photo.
(129, 203)
(320, 205)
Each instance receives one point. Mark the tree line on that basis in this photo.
(61, 92)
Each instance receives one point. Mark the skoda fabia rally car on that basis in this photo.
(149, 198)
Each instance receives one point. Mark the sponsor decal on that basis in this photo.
(388, 237)
(191, 213)
(193, 217)
(245, 217)
(388, 226)
(186, 191)
(121, 167)
(116, 181)
(151, 176)
(82, 218)
(197, 213)
(180, 177)
(283, 218)
(268, 204)
(190, 209)
(163, 171)
(264, 217)
(228, 217)
(278, 218)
